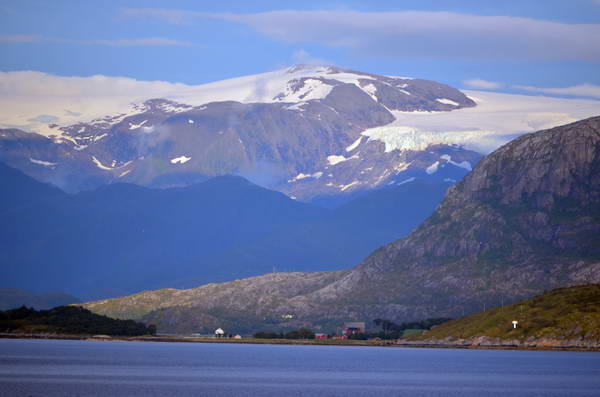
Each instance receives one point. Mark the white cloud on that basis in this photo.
(302, 56)
(19, 38)
(144, 41)
(497, 119)
(150, 41)
(24, 95)
(177, 17)
(29, 100)
(583, 90)
(482, 84)
(425, 34)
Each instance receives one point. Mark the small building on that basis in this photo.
(320, 336)
(352, 328)
(219, 333)
(237, 336)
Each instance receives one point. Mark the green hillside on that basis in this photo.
(564, 313)
(68, 320)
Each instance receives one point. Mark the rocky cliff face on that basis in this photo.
(525, 220)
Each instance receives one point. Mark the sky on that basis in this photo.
(549, 47)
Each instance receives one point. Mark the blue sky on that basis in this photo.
(506, 45)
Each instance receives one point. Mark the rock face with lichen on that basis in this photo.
(525, 220)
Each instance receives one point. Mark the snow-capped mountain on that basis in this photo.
(312, 132)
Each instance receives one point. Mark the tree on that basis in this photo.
(302, 333)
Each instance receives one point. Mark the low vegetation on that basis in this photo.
(565, 313)
(71, 320)
(302, 333)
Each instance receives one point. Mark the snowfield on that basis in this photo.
(495, 120)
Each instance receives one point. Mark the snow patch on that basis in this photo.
(405, 92)
(463, 164)
(432, 169)
(348, 186)
(124, 173)
(98, 137)
(300, 176)
(333, 159)
(447, 101)
(190, 121)
(100, 165)
(42, 162)
(180, 160)
(450, 180)
(296, 106)
(371, 90)
(411, 179)
(310, 89)
(133, 126)
(354, 145)
(402, 166)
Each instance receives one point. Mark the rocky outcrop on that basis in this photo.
(483, 342)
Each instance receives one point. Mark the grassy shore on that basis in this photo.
(299, 342)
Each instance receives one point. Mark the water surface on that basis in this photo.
(90, 368)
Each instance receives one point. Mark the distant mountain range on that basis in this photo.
(11, 298)
(123, 238)
(525, 220)
(308, 131)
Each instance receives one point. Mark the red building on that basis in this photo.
(352, 328)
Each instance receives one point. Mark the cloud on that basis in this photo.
(44, 118)
(176, 17)
(482, 84)
(497, 118)
(150, 41)
(302, 56)
(420, 34)
(582, 90)
(145, 41)
(26, 95)
(19, 38)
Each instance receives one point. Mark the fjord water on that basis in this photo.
(86, 368)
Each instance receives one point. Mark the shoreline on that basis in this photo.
(297, 342)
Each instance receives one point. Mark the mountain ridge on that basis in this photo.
(464, 256)
(293, 137)
(122, 238)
